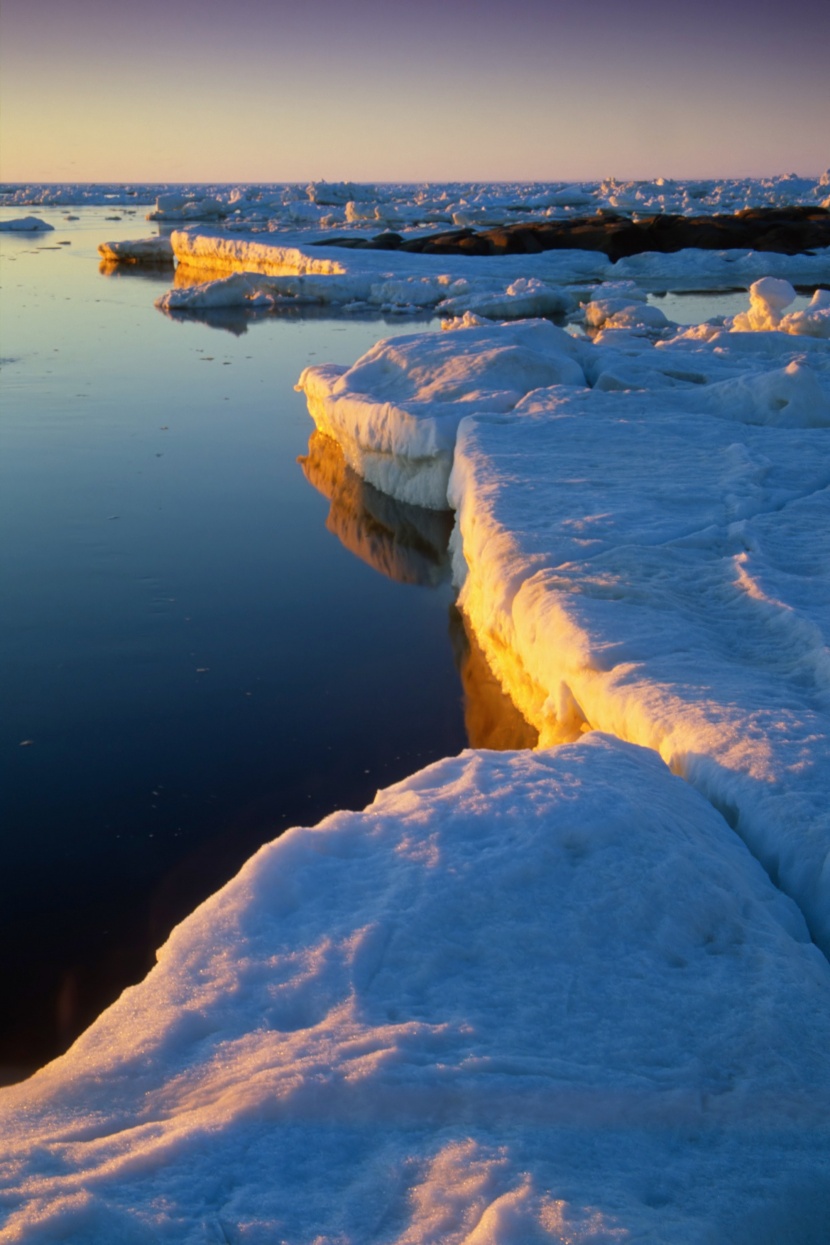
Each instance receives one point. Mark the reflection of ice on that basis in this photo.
(141, 272)
(407, 543)
(233, 320)
(490, 716)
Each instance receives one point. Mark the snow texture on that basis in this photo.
(512, 1002)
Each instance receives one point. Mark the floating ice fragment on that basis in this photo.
(25, 224)
(155, 250)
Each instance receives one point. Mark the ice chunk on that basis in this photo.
(767, 300)
(157, 250)
(25, 224)
(395, 412)
(813, 321)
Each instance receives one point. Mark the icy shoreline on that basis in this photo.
(535, 996)
(467, 1015)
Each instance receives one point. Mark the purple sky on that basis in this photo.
(422, 90)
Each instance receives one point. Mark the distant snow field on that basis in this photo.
(559, 995)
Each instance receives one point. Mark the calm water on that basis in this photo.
(192, 659)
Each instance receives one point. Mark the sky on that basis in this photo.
(412, 90)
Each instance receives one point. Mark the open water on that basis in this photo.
(192, 660)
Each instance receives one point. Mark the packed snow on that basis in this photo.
(558, 995)
(512, 1001)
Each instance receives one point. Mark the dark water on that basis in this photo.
(192, 659)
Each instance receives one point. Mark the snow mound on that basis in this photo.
(767, 300)
(511, 1001)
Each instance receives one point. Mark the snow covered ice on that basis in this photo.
(468, 1014)
(568, 994)
(630, 541)
(396, 412)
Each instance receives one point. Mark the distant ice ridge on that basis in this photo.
(642, 540)
(339, 204)
(512, 1001)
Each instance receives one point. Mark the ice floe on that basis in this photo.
(396, 412)
(155, 250)
(539, 997)
(550, 283)
(556, 995)
(25, 224)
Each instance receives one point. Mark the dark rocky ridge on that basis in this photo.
(788, 230)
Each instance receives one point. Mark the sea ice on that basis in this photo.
(25, 224)
(157, 250)
(614, 523)
(277, 204)
(524, 997)
(767, 300)
(395, 413)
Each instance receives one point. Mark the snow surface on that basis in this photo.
(513, 1001)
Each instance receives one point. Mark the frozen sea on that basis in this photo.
(197, 660)
(571, 984)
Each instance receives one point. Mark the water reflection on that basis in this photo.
(490, 717)
(405, 543)
(234, 320)
(143, 271)
(409, 544)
